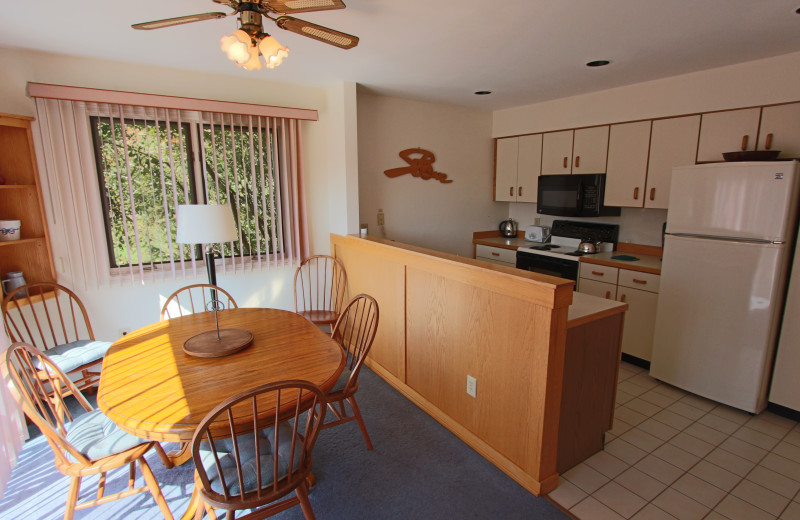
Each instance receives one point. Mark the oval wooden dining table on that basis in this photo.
(150, 388)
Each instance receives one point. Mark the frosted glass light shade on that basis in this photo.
(237, 47)
(272, 51)
(206, 224)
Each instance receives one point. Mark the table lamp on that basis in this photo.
(207, 224)
(210, 224)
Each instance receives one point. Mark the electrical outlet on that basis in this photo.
(381, 218)
(472, 385)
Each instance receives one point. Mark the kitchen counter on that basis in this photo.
(505, 243)
(586, 308)
(649, 258)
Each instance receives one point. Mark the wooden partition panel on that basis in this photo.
(383, 278)
(456, 329)
(503, 326)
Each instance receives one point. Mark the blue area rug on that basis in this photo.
(418, 470)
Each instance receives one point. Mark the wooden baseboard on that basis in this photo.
(506, 466)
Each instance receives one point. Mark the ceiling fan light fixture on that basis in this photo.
(237, 47)
(273, 52)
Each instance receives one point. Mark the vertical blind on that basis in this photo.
(115, 174)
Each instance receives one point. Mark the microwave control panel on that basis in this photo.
(590, 197)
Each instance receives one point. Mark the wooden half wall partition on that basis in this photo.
(445, 317)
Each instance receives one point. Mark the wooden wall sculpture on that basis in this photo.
(421, 167)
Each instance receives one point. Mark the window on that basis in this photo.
(143, 175)
(148, 166)
(115, 175)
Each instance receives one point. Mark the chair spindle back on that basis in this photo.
(355, 332)
(300, 405)
(44, 315)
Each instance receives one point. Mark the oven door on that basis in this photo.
(550, 265)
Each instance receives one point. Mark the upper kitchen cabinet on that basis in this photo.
(727, 131)
(575, 151)
(780, 130)
(628, 147)
(517, 168)
(673, 142)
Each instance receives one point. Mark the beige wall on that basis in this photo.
(761, 82)
(426, 213)
(116, 308)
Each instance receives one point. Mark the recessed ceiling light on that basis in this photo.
(797, 10)
(483, 92)
(598, 63)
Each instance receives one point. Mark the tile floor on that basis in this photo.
(674, 455)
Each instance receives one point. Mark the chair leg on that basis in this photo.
(361, 425)
(72, 498)
(165, 460)
(155, 490)
(305, 504)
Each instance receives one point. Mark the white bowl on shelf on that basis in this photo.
(9, 230)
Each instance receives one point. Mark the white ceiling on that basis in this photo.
(525, 51)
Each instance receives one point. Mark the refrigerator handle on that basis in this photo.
(727, 239)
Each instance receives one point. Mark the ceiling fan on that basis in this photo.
(245, 44)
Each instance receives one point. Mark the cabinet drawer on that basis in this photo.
(497, 254)
(637, 280)
(599, 289)
(601, 273)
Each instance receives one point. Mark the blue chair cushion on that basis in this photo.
(96, 436)
(70, 356)
(246, 445)
(342, 381)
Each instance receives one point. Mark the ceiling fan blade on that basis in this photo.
(301, 6)
(169, 22)
(317, 32)
(233, 4)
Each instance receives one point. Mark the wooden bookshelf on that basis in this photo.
(21, 199)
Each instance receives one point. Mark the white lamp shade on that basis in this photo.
(206, 224)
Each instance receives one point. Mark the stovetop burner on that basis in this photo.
(546, 247)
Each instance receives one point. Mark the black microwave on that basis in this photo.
(579, 195)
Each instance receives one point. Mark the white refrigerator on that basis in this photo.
(730, 229)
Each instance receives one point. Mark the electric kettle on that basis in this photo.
(508, 228)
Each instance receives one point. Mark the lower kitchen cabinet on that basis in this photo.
(639, 290)
(496, 255)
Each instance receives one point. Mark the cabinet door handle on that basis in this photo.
(744, 142)
(598, 273)
(643, 282)
(608, 295)
(511, 191)
(565, 162)
(636, 193)
(495, 254)
(577, 161)
(622, 298)
(519, 191)
(652, 194)
(768, 143)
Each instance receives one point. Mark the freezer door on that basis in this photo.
(718, 308)
(743, 200)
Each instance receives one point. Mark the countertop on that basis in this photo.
(586, 307)
(505, 243)
(649, 256)
(646, 263)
